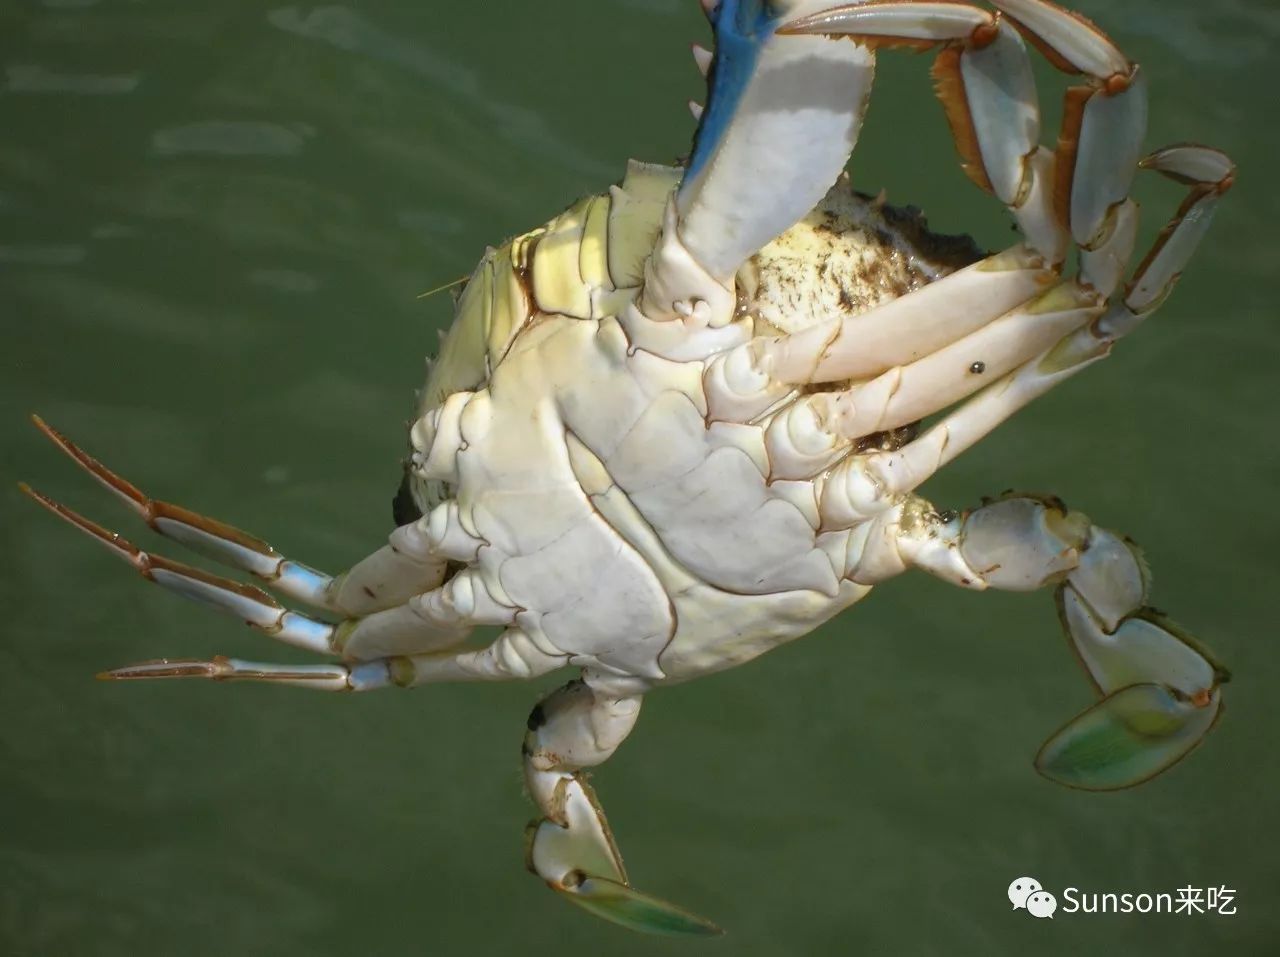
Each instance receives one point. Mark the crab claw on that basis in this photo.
(1128, 737)
(782, 116)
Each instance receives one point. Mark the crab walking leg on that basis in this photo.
(880, 476)
(413, 561)
(818, 429)
(862, 485)
(1160, 689)
(1104, 121)
(435, 619)
(251, 605)
(514, 656)
(402, 568)
(745, 381)
(985, 84)
(983, 79)
(1209, 173)
(365, 676)
(208, 536)
(571, 846)
(864, 482)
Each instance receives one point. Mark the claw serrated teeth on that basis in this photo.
(702, 57)
(696, 109)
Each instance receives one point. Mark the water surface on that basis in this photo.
(214, 221)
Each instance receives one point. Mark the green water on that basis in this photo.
(214, 221)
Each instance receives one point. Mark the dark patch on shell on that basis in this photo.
(889, 441)
(950, 251)
(403, 507)
(537, 718)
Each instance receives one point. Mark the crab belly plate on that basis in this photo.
(633, 532)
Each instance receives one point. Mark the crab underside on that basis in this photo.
(685, 421)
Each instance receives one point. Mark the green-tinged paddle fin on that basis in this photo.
(1128, 737)
(630, 908)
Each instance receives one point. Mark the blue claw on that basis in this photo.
(782, 117)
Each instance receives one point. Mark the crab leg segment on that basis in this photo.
(390, 600)
(744, 382)
(572, 847)
(367, 676)
(982, 73)
(1160, 689)
(251, 605)
(984, 81)
(1209, 173)
(414, 560)
(514, 656)
(806, 434)
(208, 536)
(436, 619)
(818, 429)
(904, 470)
(909, 327)
(1103, 122)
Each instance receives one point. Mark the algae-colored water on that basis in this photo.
(214, 221)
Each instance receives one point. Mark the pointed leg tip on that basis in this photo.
(165, 668)
(57, 508)
(114, 674)
(35, 494)
(48, 430)
(109, 479)
(117, 543)
(60, 510)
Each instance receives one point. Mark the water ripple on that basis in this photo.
(43, 254)
(232, 138)
(1228, 34)
(351, 31)
(285, 280)
(32, 78)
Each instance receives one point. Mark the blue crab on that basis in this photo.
(680, 424)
